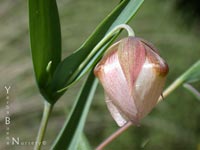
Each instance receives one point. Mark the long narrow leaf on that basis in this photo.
(45, 38)
(192, 74)
(70, 134)
(124, 11)
(192, 90)
(83, 143)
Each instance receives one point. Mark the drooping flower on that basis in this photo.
(133, 76)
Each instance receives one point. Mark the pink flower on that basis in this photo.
(133, 76)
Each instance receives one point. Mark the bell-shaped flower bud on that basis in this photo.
(133, 76)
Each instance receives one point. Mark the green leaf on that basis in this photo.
(83, 143)
(69, 70)
(192, 74)
(45, 38)
(70, 134)
(189, 76)
(192, 90)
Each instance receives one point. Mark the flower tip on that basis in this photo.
(162, 69)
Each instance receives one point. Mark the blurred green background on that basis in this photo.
(173, 125)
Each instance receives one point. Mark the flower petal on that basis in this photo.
(132, 55)
(148, 88)
(160, 66)
(115, 112)
(114, 83)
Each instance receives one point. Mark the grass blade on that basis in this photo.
(70, 134)
(193, 73)
(192, 90)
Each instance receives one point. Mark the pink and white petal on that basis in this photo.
(160, 66)
(116, 86)
(148, 88)
(132, 55)
(115, 112)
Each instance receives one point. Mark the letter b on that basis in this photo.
(7, 120)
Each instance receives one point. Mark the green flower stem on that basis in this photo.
(179, 81)
(105, 39)
(46, 113)
(97, 47)
(171, 88)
